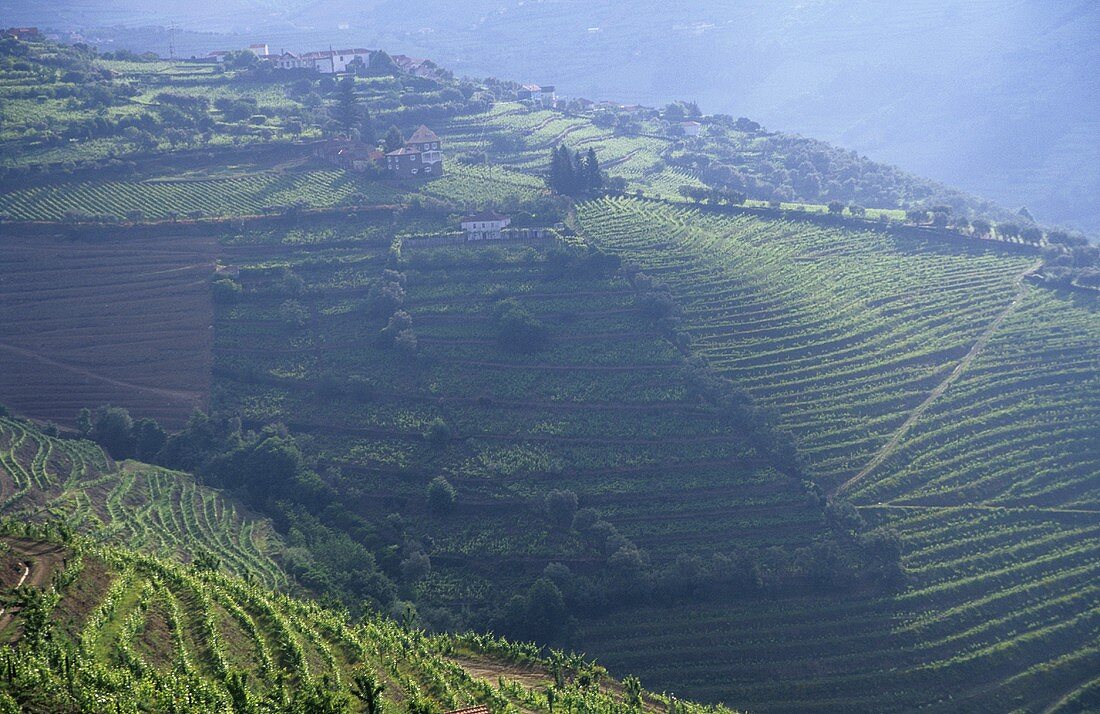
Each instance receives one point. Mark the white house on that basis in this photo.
(540, 94)
(691, 128)
(486, 225)
(335, 61)
(289, 60)
(260, 49)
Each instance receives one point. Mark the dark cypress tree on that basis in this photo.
(593, 177)
(347, 112)
(555, 178)
(366, 129)
(394, 139)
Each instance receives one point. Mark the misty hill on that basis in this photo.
(992, 99)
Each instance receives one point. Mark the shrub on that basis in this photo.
(441, 496)
(517, 329)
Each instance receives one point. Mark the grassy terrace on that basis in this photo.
(604, 411)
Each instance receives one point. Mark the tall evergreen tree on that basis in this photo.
(347, 112)
(366, 129)
(593, 177)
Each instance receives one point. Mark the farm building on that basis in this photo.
(486, 225)
(539, 94)
(334, 61)
(691, 128)
(289, 60)
(420, 157)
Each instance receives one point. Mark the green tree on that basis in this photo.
(546, 616)
(394, 139)
(438, 433)
(348, 110)
(441, 496)
(560, 507)
(593, 177)
(149, 439)
(113, 429)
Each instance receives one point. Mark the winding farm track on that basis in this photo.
(976, 349)
(39, 562)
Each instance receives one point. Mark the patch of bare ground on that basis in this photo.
(154, 643)
(123, 321)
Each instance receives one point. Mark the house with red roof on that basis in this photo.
(420, 158)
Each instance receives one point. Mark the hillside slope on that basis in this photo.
(133, 504)
(953, 403)
(109, 630)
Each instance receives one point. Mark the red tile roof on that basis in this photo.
(422, 135)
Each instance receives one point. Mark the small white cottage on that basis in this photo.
(486, 225)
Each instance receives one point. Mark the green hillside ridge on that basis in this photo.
(106, 629)
(583, 440)
(137, 505)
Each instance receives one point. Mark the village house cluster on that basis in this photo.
(420, 158)
(332, 61)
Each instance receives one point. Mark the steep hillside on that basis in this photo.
(141, 506)
(952, 403)
(596, 409)
(109, 630)
(578, 438)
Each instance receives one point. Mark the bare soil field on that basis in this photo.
(126, 322)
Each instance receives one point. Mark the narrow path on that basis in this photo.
(976, 349)
(622, 159)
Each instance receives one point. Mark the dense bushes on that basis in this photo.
(517, 329)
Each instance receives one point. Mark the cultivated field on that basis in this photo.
(606, 410)
(143, 507)
(954, 404)
(122, 322)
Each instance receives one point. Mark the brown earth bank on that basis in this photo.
(121, 321)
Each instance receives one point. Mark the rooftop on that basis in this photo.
(421, 135)
(484, 216)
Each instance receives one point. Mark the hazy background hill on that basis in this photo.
(994, 97)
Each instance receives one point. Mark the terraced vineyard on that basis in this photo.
(144, 507)
(135, 633)
(950, 401)
(606, 410)
(1020, 427)
(842, 332)
(1002, 613)
(250, 194)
